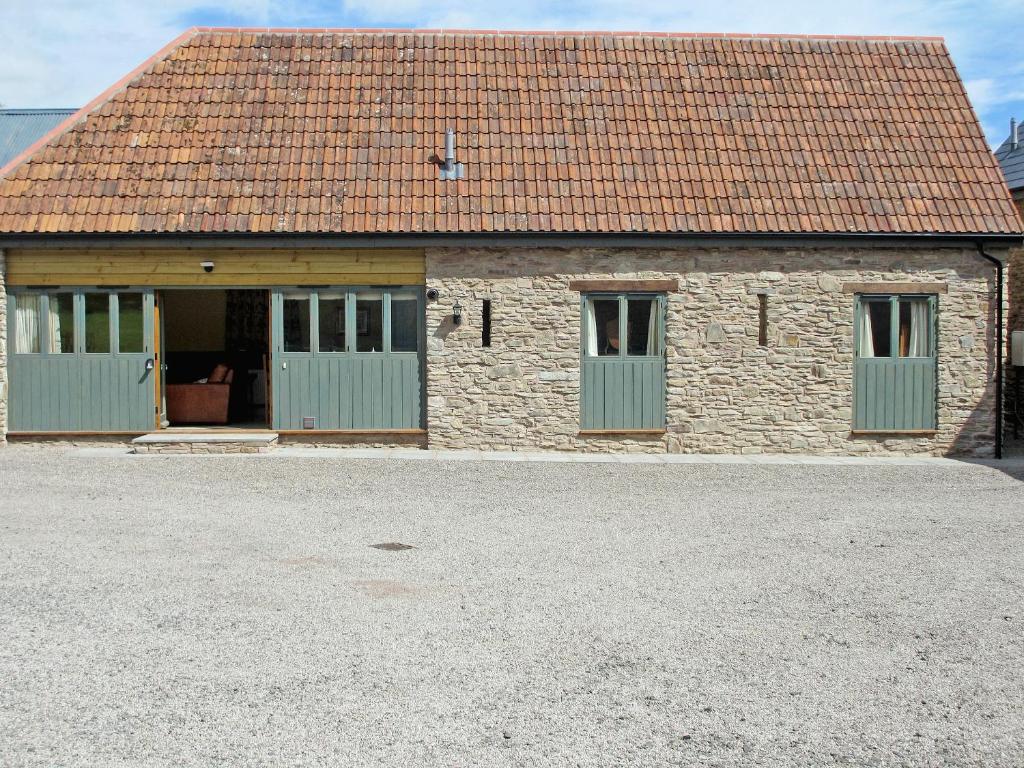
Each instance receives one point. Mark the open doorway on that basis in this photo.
(215, 347)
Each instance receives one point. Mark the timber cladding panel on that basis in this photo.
(232, 267)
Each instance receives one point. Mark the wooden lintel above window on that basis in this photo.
(925, 288)
(624, 286)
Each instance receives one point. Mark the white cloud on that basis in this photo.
(62, 53)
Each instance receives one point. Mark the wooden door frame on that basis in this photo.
(158, 359)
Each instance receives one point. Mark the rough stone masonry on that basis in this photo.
(725, 393)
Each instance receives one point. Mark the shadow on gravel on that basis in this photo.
(1012, 467)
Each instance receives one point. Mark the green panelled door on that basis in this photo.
(623, 380)
(894, 363)
(347, 358)
(81, 361)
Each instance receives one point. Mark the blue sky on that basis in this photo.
(64, 52)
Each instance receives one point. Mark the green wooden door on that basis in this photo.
(623, 378)
(81, 361)
(894, 363)
(347, 358)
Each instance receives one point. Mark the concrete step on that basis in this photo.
(172, 442)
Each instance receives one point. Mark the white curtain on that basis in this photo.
(26, 324)
(918, 346)
(53, 343)
(652, 329)
(866, 347)
(591, 330)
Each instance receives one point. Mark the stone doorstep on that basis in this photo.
(205, 442)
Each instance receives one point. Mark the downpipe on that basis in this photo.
(1000, 346)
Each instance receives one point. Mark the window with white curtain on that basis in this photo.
(915, 321)
(875, 330)
(894, 326)
(609, 319)
(27, 323)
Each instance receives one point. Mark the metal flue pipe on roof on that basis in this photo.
(449, 150)
(450, 169)
(1013, 133)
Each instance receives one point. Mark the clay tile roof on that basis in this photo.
(337, 131)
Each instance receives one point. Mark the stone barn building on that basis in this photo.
(512, 241)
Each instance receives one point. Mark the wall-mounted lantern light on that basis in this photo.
(457, 313)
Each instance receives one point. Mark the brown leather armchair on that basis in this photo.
(201, 403)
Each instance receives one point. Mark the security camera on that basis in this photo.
(433, 293)
(206, 265)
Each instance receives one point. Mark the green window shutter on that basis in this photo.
(76, 391)
(623, 389)
(347, 389)
(894, 391)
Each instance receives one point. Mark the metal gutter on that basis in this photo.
(1000, 346)
(498, 239)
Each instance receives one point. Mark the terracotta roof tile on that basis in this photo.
(338, 130)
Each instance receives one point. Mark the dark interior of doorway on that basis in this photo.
(207, 332)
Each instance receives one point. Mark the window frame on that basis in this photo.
(894, 300)
(350, 292)
(113, 333)
(78, 294)
(43, 321)
(623, 298)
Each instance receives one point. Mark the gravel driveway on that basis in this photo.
(231, 611)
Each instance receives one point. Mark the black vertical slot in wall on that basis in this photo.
(762, 319)
(486, 333)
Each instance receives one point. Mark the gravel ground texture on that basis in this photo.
(190, 611)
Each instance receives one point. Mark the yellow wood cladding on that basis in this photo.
(240, 267)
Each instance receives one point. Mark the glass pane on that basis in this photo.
(27, 324)
(129, 318)
(296, 322)
(404, 325)
(97, 322)
(641, 326)
(875, 329)
(369, 321)
(602, 327)
(62, 324)
(332, 321)
(915, 324)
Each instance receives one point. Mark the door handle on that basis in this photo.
(149, 364)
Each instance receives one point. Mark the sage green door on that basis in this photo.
(623, 361)
(81, 360)
(347, 358)
(894, 363)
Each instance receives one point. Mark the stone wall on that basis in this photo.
(3, 349)
(724, 392)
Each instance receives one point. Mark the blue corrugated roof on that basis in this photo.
(20, 128)
(1012, 161)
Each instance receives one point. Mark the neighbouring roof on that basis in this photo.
(21, 128)
(1011, 159)
(321, 131)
